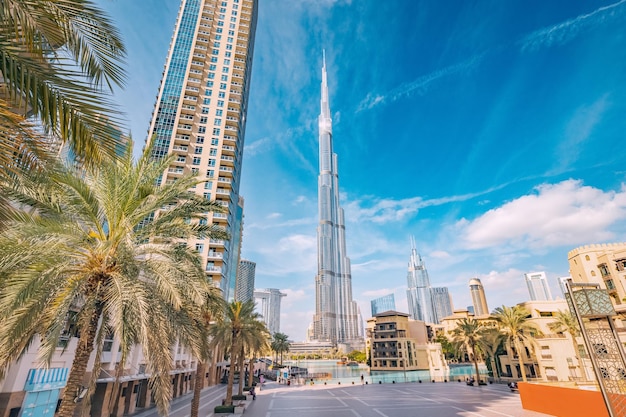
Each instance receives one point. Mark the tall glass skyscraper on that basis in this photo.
(200, 115)
(384, 303)
(336, 314)
(418, 289)
(268, 306)
(442, 303)
(244, 290)
(538, 287)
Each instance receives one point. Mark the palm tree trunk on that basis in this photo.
(231, 373)
(521, 360)
(475, 357)
(242, 371)
(494, 368)
(251, 371)
(79, 366)
(197, 389)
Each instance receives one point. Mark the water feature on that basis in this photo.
(352, 374)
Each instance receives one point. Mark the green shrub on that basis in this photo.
(224, 409)
(239, 397)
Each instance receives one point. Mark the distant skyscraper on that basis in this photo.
(336, 316)
(478, 297)
(442, 303)
(418, 292)
(268, 305)
(562, 286)
(200, 116)
(244, 290)
(384, 303)
(538, 287)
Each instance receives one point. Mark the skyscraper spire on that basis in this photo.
(336, 314)
(418, 288)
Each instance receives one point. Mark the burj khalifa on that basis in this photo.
(336, 314)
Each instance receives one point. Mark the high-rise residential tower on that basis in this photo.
(442, 303)
(200, 115)
(244, 290)
(268, 306)
(382, 304)
(418, 289)
(336, 314)
(538, 287)
(478, 297)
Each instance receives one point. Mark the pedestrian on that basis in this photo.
(362, 380)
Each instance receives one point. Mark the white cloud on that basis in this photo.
(385, 210)
(378, 293)
(567, 213)
(565, 31)
(418, 86)
(578, 130)
(440, 254)
(273, 216)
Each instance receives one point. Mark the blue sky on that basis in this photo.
(491, 131)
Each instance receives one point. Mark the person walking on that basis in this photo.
(362, 380)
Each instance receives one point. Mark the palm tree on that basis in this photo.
(518, 330)
(253, 339)
(91, 243)
(212, 309)
(59, 61)
(566, 322)
(490, 343)
(280, 344)
(466, 336)
(238, 322)
(259, 345)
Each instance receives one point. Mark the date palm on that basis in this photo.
(490, 343)
(280, 344)
(466, 337)
(519, 331)
(254, 339)
(238, 322)
(210, 311)
(88, 241)
(59, 60)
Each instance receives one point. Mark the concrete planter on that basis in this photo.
(239, 409)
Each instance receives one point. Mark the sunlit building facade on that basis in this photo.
(479, 300)
(200, 115)
(336, 314)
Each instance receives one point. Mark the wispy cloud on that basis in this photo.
(378, 210)
(566, 213)
(578, 130)
(565, 31)
(418, 86)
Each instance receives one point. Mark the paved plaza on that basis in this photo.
(385, 400)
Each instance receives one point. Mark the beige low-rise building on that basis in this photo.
(397, 343)
(554, 356)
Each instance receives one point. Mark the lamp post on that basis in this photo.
(592, 307)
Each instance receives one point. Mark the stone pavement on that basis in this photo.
(450, 399)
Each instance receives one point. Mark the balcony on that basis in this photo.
(224, 180)
(222, 191)
(215, 255)
(226, 171)
(181, 138)
(216, 242)
(176, 171)
(230, 139)
(230, 128)
(227, 159)
(228, 149)
(180, 148)
(214, 269)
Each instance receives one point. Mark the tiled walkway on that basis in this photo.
(385, 400)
